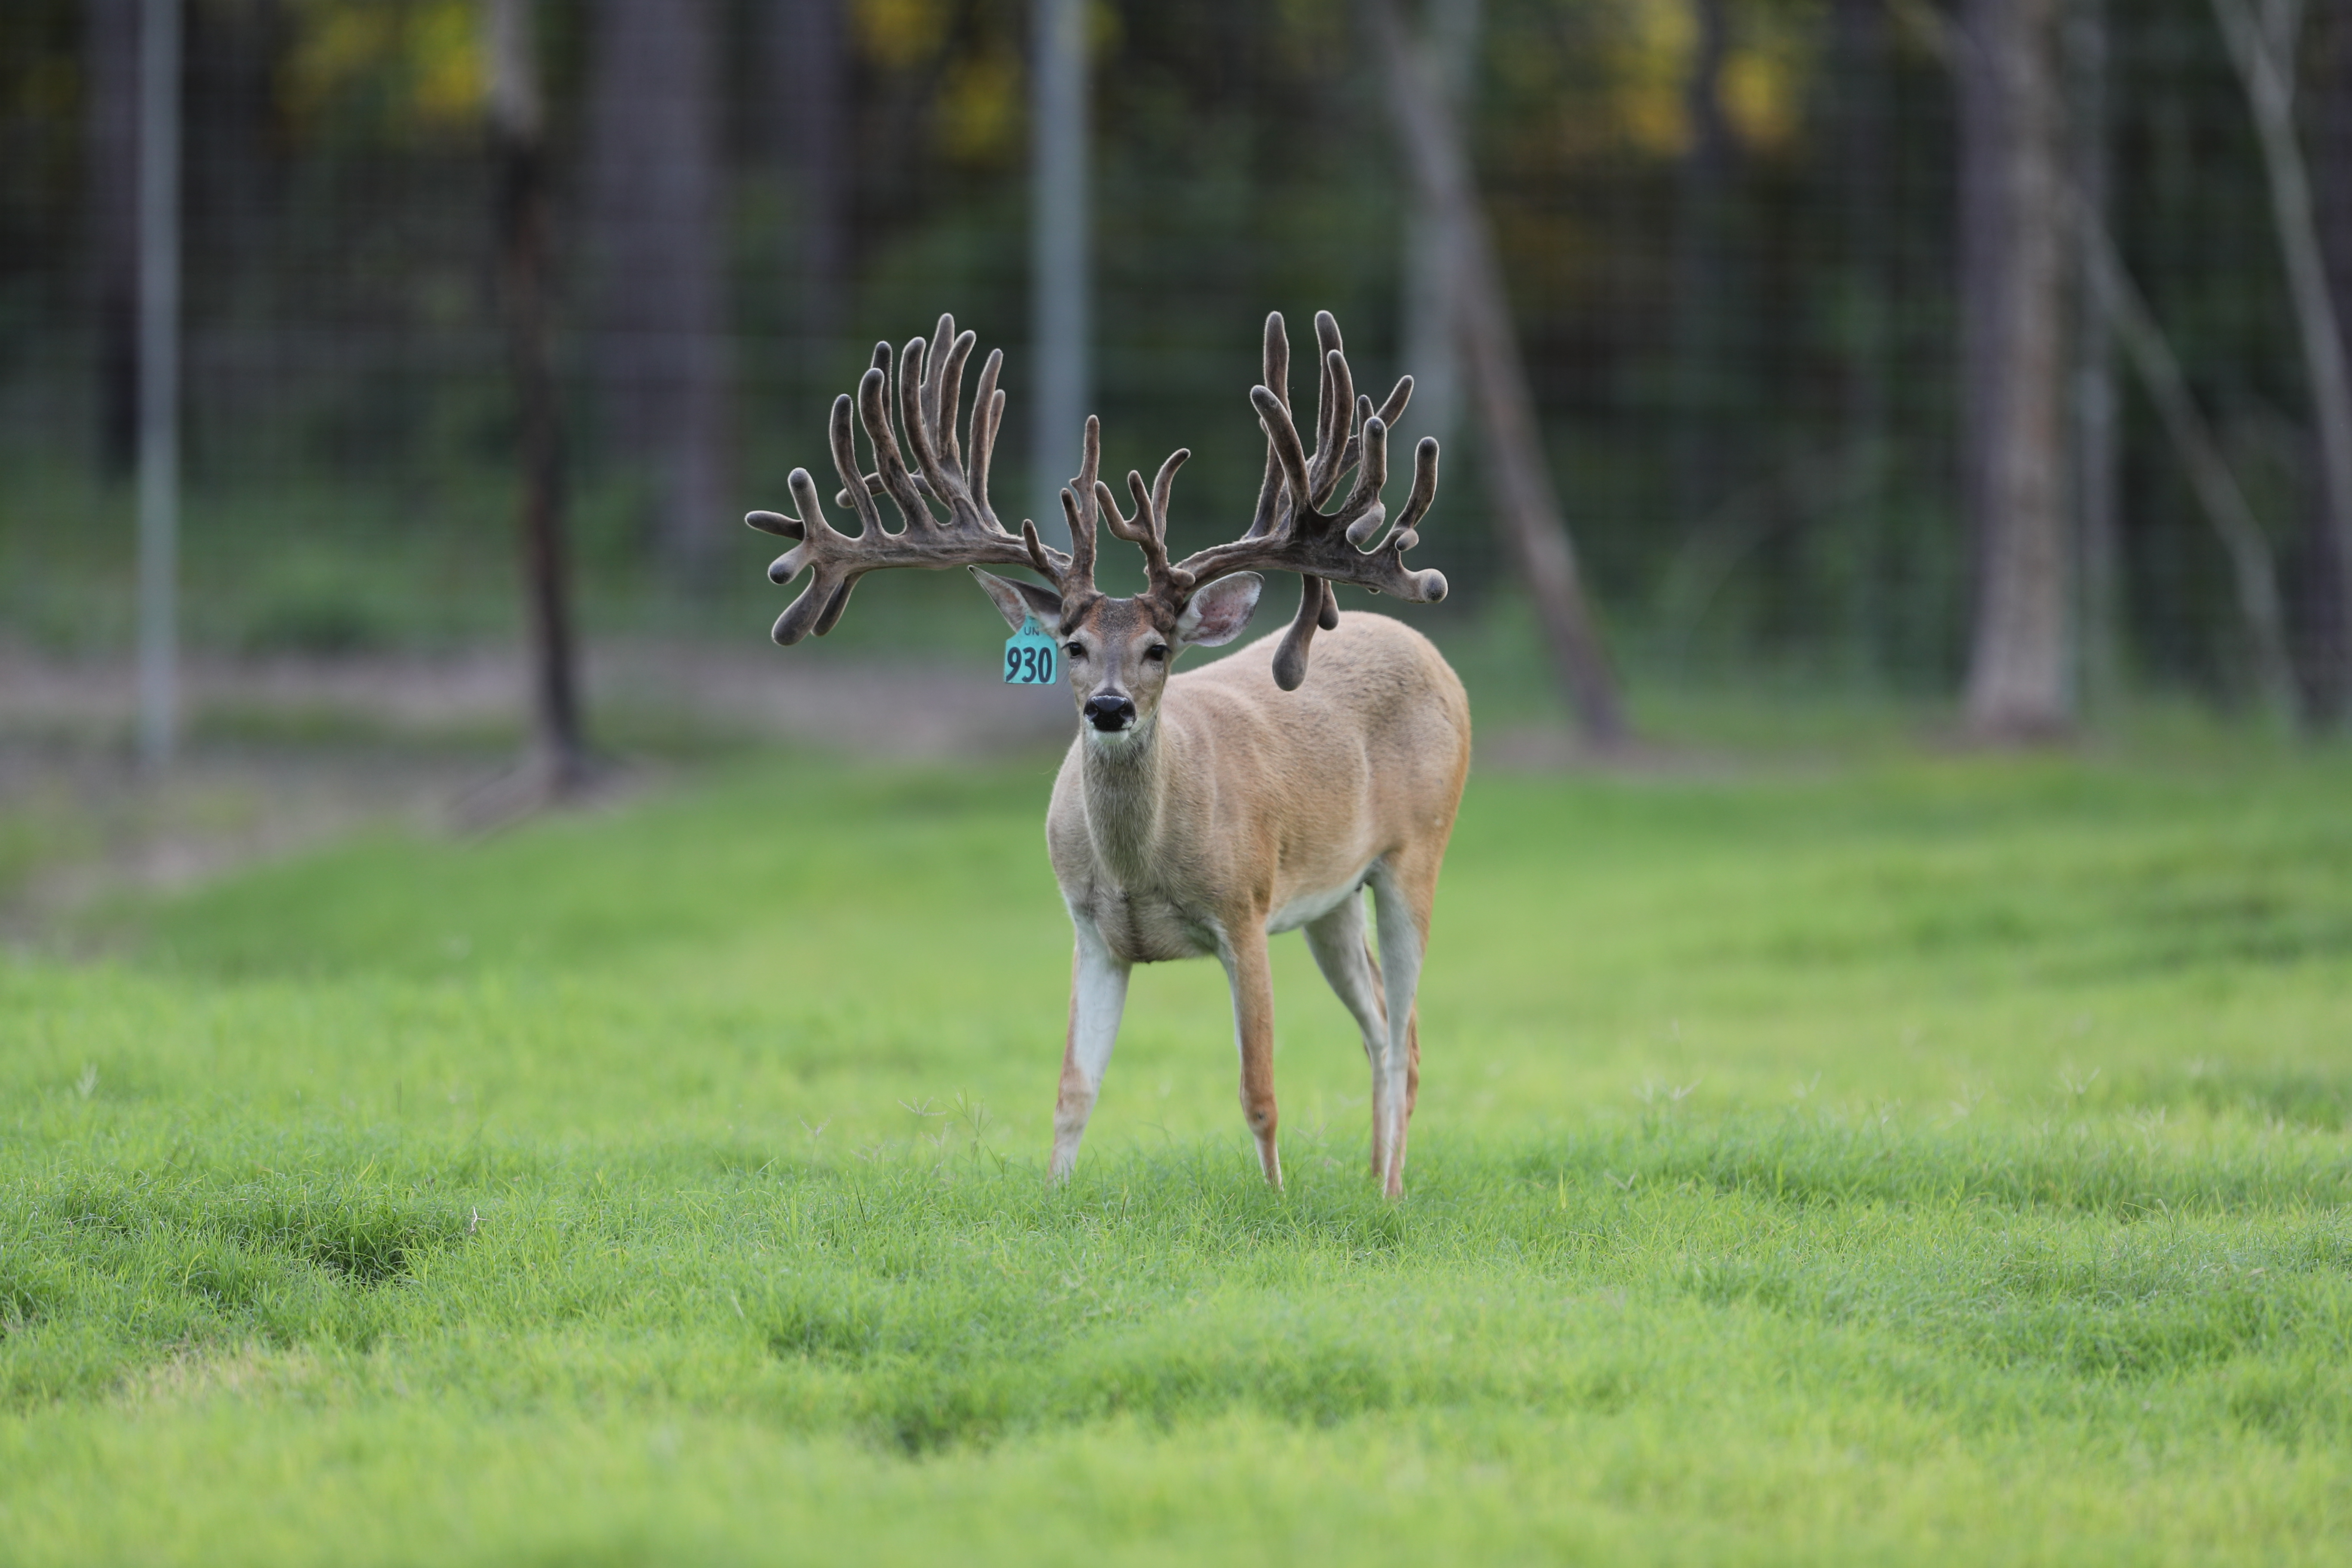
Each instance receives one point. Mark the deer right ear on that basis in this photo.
(1017, 601)
(1216, 615)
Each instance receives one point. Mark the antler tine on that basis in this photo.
(942, 336)
(1418, 499)
(949, 394)
(1136, 530)
(1274, 376)
(1079, 506)
(1164, 485)
(987, 413)
(1316, 607)
(855, 494)
(1082, 569)
(1388, 413)
(828, 588)
(1147, 529)
(1335, 412)
(1283, 453)
(921, 369)
(1038, 557)
(1360, 516)
(914, 370)
(933, 411)
(889, 463)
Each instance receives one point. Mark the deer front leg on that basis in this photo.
(1252, 976)
(1097, 996)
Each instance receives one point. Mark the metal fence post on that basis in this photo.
(159, 379)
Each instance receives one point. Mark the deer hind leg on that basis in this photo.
(1097, 998)
(1339, 943)
(1403, 896)
(1252, 975)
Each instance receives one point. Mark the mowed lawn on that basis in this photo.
(1938, 1160)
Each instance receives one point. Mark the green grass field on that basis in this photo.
(1930, 1159)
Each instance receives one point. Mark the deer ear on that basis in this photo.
(1017, 601)
(1216, 615)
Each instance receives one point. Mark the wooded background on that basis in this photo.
(1789, 314)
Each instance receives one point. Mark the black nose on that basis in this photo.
(1110, 712)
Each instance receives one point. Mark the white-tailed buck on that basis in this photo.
(1198, 814)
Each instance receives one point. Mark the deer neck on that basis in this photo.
(1126, 794)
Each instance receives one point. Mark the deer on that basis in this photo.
(1195, 815)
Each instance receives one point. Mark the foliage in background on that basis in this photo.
(341, 343)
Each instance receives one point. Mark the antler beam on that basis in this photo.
(1290, 532)
(929, 388)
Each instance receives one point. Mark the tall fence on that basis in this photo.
(1732, 232)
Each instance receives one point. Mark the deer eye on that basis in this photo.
(1156, 652)
(1075, 650)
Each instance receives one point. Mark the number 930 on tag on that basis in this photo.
(1029, 658)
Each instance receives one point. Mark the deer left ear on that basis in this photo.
(1017, 601)
(1216, 615)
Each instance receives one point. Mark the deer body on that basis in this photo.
(1239, 810)
(1195, 815)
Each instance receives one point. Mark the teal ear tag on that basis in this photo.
(1029, 655)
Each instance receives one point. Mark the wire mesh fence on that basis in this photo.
(1733, 232)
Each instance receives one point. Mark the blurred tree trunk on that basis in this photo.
(2262, 37)
(2218, 492)
(1429, 354)
(2096, 447)
(1858, 85)
(111, 60)
(1519, 481)
(161, 158)
(810, 73)
(656, 243)
(2318, 583)
(518, 151)
(2011, 262)
(1698, 274)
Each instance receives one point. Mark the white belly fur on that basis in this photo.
(1314, 906)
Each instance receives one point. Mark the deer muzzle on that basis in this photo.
(1110, 712)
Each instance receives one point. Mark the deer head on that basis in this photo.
(1119, 651)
